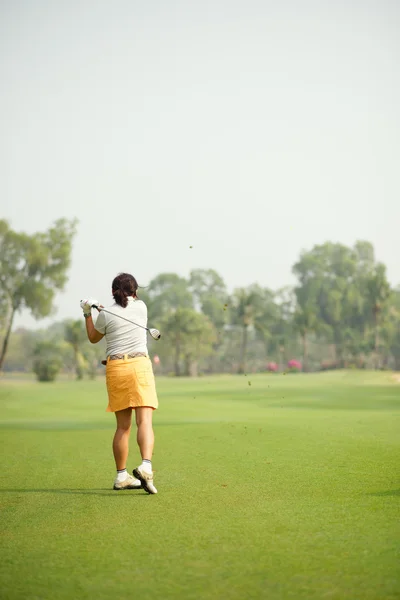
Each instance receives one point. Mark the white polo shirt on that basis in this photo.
(123, 337)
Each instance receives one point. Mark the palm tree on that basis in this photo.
(75, 335)
(191, 335)
(378, 293)
(305, 322)
(247, 310)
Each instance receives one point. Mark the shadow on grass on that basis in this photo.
(51, 426)
(98, 492)
(385, 493)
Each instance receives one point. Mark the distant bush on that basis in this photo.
(47, 361)
(272, 367)
(294, 366)
(329, 365)
(355, 363)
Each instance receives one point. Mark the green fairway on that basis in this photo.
(270, 486)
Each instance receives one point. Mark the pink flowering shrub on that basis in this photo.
(294, 366)
(272, 367)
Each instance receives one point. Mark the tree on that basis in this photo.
(390, 331)
(75, 335)
(47, 360)
(343, 292)
(32, 269)
(305, 322)
(206, 282)
(20, 350)
(282, 337)
(4, 308)
(191, 335)
(247, 309)
(166, 293)
(305, 318)
(92, 360)
(324, 275)
(266, 317)
(211, 298)
(378, 294)
(331, 287)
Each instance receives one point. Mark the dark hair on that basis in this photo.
(124, 285)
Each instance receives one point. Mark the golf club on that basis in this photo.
(155, 334)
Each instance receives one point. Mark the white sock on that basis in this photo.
(121, 475)
(146, 464)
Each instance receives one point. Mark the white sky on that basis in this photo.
(246, 129)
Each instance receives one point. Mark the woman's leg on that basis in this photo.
(145, 433)
(145, 440)
(121, 437)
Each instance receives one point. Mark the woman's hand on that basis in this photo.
(87, 304)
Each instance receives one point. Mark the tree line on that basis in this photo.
(342, 312)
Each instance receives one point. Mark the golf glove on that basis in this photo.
(86, 305)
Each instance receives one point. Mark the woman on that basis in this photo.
(129, 378)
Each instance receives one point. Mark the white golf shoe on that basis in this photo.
(146, 479)
(130, 483)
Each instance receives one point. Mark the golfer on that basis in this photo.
(129, 378)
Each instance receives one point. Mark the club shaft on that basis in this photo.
(120, 316)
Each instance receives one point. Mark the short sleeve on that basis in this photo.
(100, 324)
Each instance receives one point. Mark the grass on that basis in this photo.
(271, 487)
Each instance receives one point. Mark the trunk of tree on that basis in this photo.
(78, 367)
(305, 352)
(177, 354)
(243, 348)
(376, 338)
(332, 351)
(339, 351)
(193, 368)
(212, 363)
(282, 357)
(6, 338)
(92, 372)
(186, 370)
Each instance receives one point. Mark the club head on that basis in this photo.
(155, 334)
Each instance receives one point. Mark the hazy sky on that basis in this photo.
(246, 129)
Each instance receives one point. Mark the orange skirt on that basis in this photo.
(130, 383)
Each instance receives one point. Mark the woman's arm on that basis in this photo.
(94, 336)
